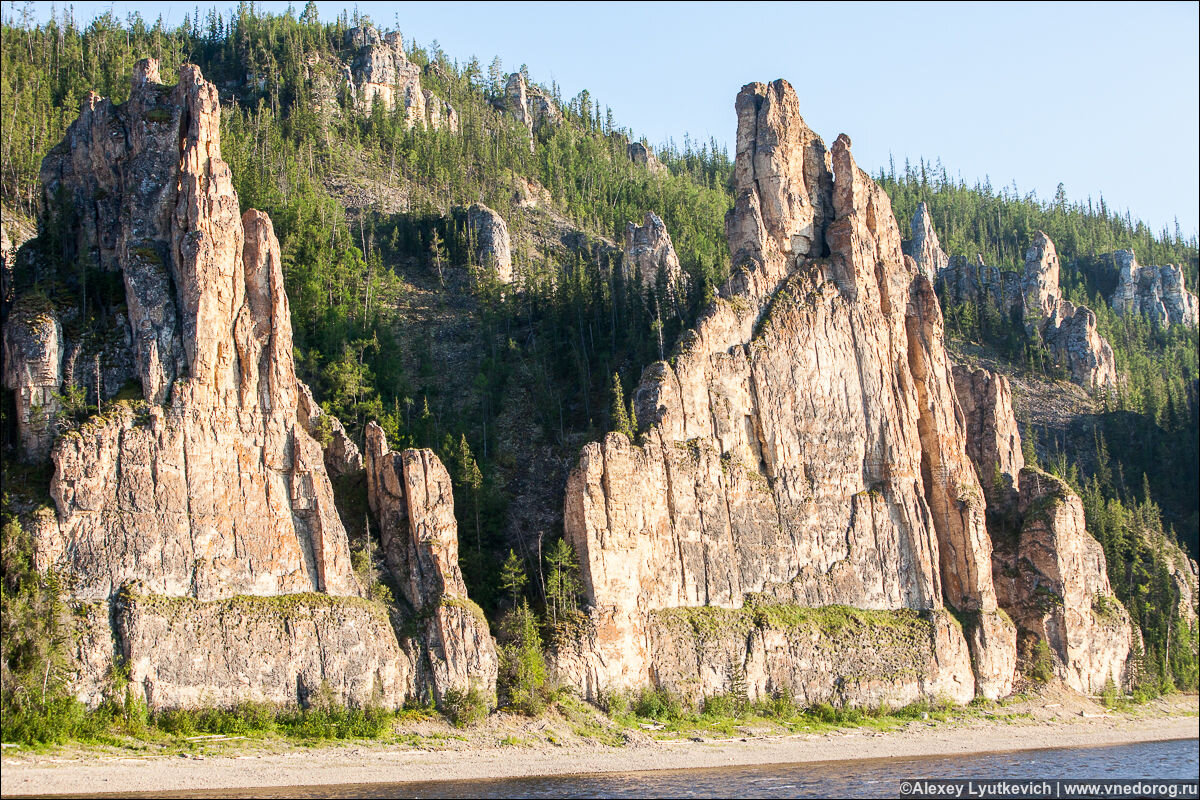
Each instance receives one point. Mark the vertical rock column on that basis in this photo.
(412, 499)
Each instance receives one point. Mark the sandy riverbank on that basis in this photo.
(1051, 722)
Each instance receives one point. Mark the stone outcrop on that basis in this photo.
(1068, 330)
(305, 649)
(924, 247)
(1157, 292)
(1053, 582)
(379, 72)
(342, 456)
(1050, 573)
(643, 156)
(993, 441)
(493, 249)
(964, 281)
(1035, 297)
(803, 443)
(528, 105)
(212, 488)
(649, 252)
(33, 355)
(411, 496)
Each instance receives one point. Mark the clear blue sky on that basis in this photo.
(1102, 97)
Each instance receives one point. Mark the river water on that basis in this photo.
(884, 777)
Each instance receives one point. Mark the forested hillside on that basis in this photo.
(395, 322)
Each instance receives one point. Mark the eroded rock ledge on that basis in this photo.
(804, 442)
(194, 518)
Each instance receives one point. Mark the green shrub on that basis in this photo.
(522, 678)
(464, 708)
(659, 704)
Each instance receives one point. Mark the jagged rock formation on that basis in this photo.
(966, 282)
(219, 492)
(528, 105)
(1050, 573)
(1157, 292)
(33, 351)
(924, 247)
(380, 72)
(649, 251)
(643, 156)
(803, 444)
(411, 496)
(993, 442)
(190, 512)
(1067, 330)
(493, 249)
(1053, 582)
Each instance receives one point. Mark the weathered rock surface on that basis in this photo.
(214, 489)
(967, 282)
(1053, 582)
(493, 249)
(924, 246)
(836, 655)
(1157, 292)
(412, 498)
(342, 456)
(33, 355)
(643, 156)
(528, 105)
(1050, 574)
(380, 72)
(1067, 330)
(804, 443)
(649, 252)
(298, 650)
(993, 441)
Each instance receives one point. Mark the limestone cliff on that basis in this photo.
(379, 72)
(1068, 330)
(1034, 297)
(1050, 573)
(649, 253)
(643, 155)
(493, 248)
(803, 443)
(528, 105)
(411, 497)
(187, 513)
(924, 246)
(1053, 581)
(1157, 292)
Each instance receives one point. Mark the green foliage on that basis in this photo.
(522, 678)
(621, 420)
(1040, 662)
(562, 584)
(513, 577)
(464, 707)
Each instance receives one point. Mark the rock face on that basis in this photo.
(804, 444)
(33, 355)
(967, 282)
(642, 155)
(303, 649)
(380, 72)
(214, 489)
(993, 441)
(411, 496)
(200, 521)
(649, 252)
(924, 246)
(1053, 582)
(1067, 330)
(1050, 574)
(492, 246)
(1157, 292)
(528, 105)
